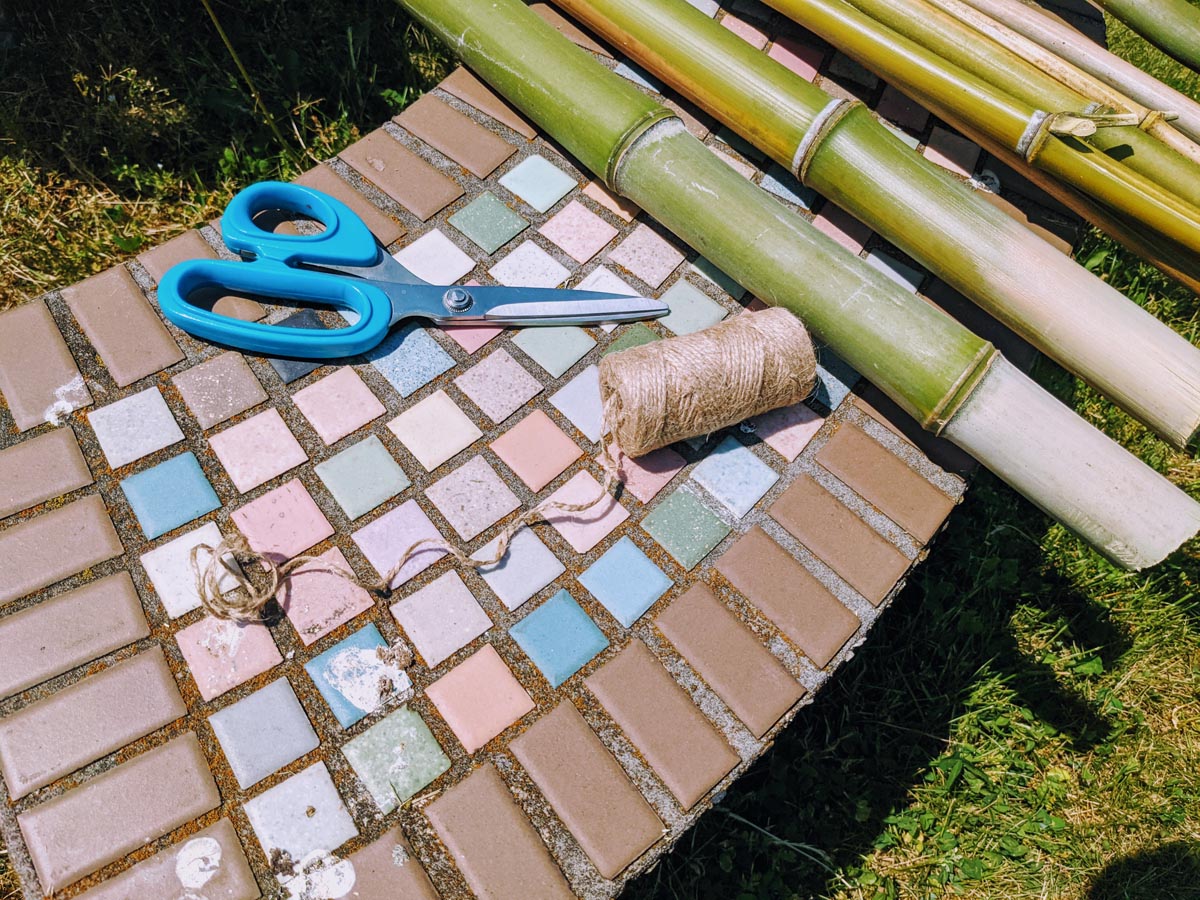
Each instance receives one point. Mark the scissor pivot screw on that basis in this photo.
(458, 300)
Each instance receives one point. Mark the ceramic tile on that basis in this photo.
(301, 815)
(401, 174)
(435, 258)
(324, 179)
(735, 476)
(498, 385)
(318, 599)
(529, 266)
(479, 698)
(632, 336)
(294, 369)
(409, 359)
(578, 231)
(743, 168)
(897, 108)
(584, 530)
(526, 568)
(169, 567)
(538, 182)
(625, 581)
(384, 540)
(262, 733)
(835, 379)
(283, 522)
(472, 498)
(219, 389)
(844, 69)
(223, 654)
(40, 468)
(362, 476)
(472, 337)
(691, 309)
(905, 138)
(647, 255)
(783, 184)
(258, 449)
(387, 869)
(559, 637)
(604, 280)
(685, 528)
(788, 430)
(902, 274)
(356, 675)
(434, 430)
(457, 136)
(536, 449)
(952, 152)
(843, 228)
(555, 348)
(708, 7)
(396, 758)
(38, 376)
(579, 401)
(706, 270)
(470, 90)
(189, 245)
(441, 618)
(338, 404)
(134, 427)
(488, 222)
(170, 494)
(645, 476)
(633, 72)
(620, 207)
(752, 35)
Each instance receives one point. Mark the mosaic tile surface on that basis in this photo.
(569, 711)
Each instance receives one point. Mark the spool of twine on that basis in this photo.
(652, 396)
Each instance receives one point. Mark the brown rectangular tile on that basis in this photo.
(383, 226)
(38, 375)
(850, 546)
(470, 90)
(883, 410)
(885, 481)
(40, 468)
(212, 857)
(189, 245)
(87, 720)
(789, 595)
(55, 544)
(69, 630)
(219, 388)
(137, 801)
(492, 843)
(122, 325)
(588, 789)
(459, 137)
(752, 682)
(401, 174)
(386, 869)
(681, 745)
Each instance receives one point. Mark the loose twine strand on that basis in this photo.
(652, 395)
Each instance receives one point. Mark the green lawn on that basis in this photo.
(1024, 722)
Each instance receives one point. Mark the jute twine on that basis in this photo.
(652, 395)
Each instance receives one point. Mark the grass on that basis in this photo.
(1024, 722)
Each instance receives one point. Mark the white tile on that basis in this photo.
(527, 567)
(134, 427)
(263, 732)
(606, 281)
(301, 815)
(579, 401)
(434, 430)
(435, 258)
(529, 266)
(441, 618)
(171, 573)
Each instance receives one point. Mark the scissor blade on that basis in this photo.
(575, 308)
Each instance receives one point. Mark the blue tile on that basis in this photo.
(169, 494)
(349, 675)
(735, 476)
(625, 581)
(638, 75)
(559, 637)
(538, 182)
(262, 733)
(409, 358)
(783, 184)
(292, 369)
(835, 378)
(705, 269)
(901, 273)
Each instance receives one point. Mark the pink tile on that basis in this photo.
(498, 385)
(472, 497)
(223, 654)
(788, 430)
(647, 255)
(950, 151)
(338, 404)
(317, 599)
(803, 59)
(843, 228)
(384, 540)
(256, 450)
(618, 206)
(584, 530)
(536, 449)
(646, 475)
(472, 337)
(283, 522)
(579, 231)
(479, 698)
(743, 29)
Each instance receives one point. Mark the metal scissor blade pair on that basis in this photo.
(588, 307)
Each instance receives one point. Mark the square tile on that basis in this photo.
(263, 732)
(632, 336)
(753, 36)
(498, 385)
(258, 449)
(169, 568)
(685, 528)
(606, 281)
(584, 530)
(578, 231)
(787, 431)
(783, 184)
(555, 348)
(897, 108)
(472, 498)
(317, 598)
(409, 359)
(472, 337)
(536, 449)
(735, 476)
(395, 758)
(902, 274)
(170, 494)
(647, 255)
(435, 258)
(646, 475)
(362, 476)
(836, 378)
(294, 369)
(383, 541)
(222, 654)
(526, 568)
(709, 272)
(836, 223)
(479, 698)
(559, 637)
(743, 168)
(283, 522)
(338, 404)
(802, 58)
(625, 581)
(639, 76)
(134, 427)
(538, 182)
(691, 309)
(219, 389)
(952, 152)
(434, 430)
(355, 675)
(620, 207)
(579, 401)
(301, 815)
(441, 618)
(488, 222)
(529, 266)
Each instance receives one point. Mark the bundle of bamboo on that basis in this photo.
(946, 377)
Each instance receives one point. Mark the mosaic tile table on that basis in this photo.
(571, 711)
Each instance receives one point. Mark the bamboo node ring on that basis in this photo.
(825, 121)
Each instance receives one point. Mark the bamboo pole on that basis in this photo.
(1069, 314)
(952, 381)
(1171, 25)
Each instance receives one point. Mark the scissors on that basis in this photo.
(345, 266)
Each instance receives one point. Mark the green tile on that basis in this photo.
(362, 476)
(691, 309)
(396, 758)
(705, 269)
(488, 222)
(685, 528)
(633, 336)
(555, 349)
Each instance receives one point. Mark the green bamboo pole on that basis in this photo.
(1069, 314)
(952, 381)
(1171, 25)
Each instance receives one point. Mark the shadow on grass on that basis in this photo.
(1171, 871)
